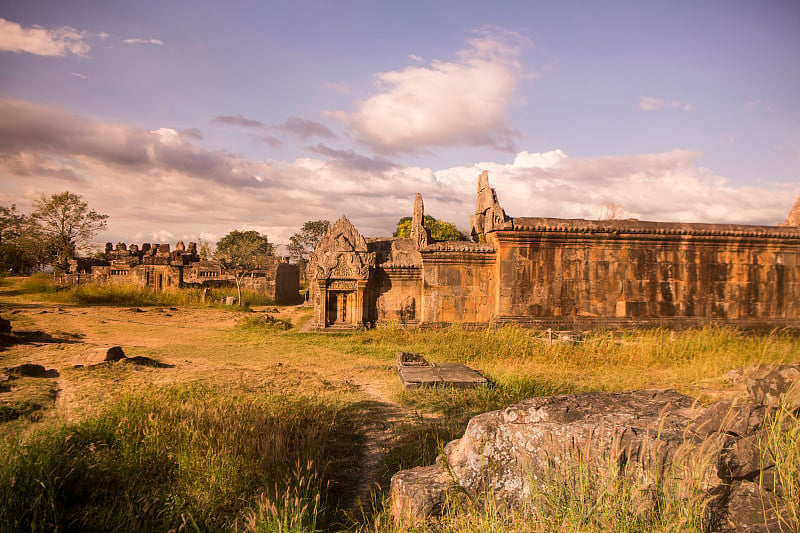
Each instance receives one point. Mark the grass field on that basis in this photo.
(253, 424)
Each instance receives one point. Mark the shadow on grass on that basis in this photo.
(145, 361)
(36, 337)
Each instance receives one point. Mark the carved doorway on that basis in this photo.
(339, 309)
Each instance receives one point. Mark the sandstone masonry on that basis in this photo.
(159, 268)
(559, 272)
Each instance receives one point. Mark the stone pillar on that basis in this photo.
(321, 309)
(360, 303)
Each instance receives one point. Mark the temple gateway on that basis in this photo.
(553, 272)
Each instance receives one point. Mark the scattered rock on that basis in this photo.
(750, 510)
(28, 370)
(742, 460)
(133, 310)
(735, 418)
(767, 384)
(99, 356)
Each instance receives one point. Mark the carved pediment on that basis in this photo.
(342, 254)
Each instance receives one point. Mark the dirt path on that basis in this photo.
(384, 416)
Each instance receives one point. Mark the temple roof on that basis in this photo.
(632, 226)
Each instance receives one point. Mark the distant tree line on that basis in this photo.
(441, 230)
(52, 233)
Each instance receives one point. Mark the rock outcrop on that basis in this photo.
(506, 455)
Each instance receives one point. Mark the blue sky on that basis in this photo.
(184, 120)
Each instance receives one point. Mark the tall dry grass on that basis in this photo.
(170, 458)
(130, 295)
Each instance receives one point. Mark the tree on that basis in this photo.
(22, 246)
(68, 223)
(205, 251)
(243, 251)
(612, 211)
(441, 230)
(302, 243)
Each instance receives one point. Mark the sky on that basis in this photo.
(184, 120)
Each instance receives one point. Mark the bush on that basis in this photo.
(39, 283)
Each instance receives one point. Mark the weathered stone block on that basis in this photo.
(99, 356)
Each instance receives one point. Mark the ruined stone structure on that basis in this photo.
(559, 272)
(158, 268)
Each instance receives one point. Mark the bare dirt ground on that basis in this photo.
(195, 345)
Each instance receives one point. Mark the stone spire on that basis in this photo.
(419, 233)
(794, 215)
(489, 216)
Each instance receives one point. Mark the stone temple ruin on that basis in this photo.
(559, 273)
(159, 268)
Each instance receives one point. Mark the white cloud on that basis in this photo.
(162, 236)
(461, 102)
(414, 57)
(651, 103)
(42, 41)
(81, 76)
(154, 182)
(158, 42)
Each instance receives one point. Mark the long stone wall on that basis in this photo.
(560, 272)
(639, 270)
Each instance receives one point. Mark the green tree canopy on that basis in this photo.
(441, 230)
(68, 223)
(244, 251)
(22, 246)
(302, 243)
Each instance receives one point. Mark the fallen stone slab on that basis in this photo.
(415, 372)
(98, 356)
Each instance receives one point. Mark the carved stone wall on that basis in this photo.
(459, 282)
(633, 270)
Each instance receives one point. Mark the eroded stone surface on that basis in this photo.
(503, 452)
(507, 455)
(97, 356)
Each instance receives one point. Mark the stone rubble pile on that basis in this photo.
(506, 455)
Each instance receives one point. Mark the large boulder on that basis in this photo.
(5, 326)
(510, 455)
(504, 453)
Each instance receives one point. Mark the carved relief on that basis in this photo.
(342, 254)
